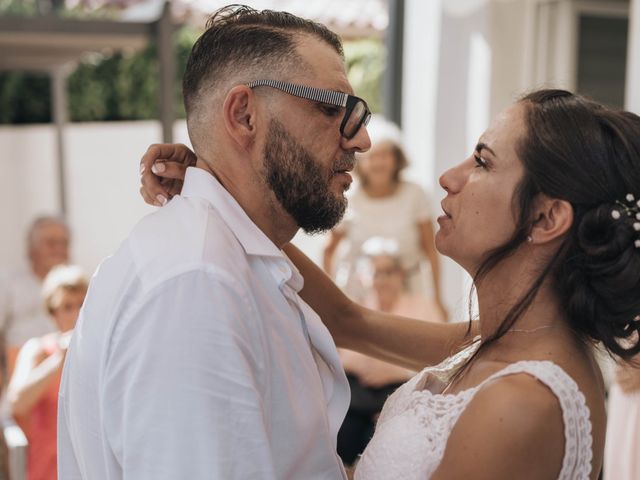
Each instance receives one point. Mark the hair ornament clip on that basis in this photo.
(631, 208)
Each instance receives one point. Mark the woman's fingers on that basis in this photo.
(169, 169)
(148, 198)
(173, 187)
(152, 189)
(162, 169)
(168, 152)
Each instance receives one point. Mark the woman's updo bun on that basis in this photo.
(600, 279)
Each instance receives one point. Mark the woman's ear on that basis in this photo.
(552, 219)
(239, 114)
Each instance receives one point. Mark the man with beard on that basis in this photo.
(194, 357)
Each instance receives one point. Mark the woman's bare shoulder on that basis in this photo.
(508, 418)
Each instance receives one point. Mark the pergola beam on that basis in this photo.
(51, 44)
(167, 62)
(392, 80)
(60, 118)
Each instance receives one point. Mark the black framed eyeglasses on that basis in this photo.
(356, 112)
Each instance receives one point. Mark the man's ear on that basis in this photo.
(239, 113)
(552, 219)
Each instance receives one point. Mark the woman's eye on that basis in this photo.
(480, 163)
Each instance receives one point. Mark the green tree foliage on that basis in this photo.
(124, 85)
(19, 7)
(25, 98)
(365, 61)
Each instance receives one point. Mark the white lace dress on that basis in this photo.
(416, 421)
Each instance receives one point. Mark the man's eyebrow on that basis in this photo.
(483, 146)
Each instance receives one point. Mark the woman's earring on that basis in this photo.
(529, 238)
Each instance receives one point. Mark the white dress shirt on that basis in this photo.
(195, 358)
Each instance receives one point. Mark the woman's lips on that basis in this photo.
(446, 213)
(445, 217)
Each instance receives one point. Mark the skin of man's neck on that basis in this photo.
(260, 206)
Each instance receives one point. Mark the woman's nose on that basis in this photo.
(454, 179)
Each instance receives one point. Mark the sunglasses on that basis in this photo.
(356, 112)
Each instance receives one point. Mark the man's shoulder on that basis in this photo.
(187, 231)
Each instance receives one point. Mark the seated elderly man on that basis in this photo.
(22, 312)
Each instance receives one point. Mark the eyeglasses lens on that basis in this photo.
(355, 120)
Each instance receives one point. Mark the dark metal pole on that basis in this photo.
(60, 114)
(394, 41)
(167, 61)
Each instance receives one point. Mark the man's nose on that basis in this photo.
(360, 142)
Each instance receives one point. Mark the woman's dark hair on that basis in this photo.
(399, 156)
(588, 155)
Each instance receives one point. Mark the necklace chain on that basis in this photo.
(532, 330)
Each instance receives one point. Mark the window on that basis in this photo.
(602, 58)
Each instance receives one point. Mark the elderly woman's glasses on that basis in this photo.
(356, 112)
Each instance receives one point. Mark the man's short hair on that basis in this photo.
(240, 38)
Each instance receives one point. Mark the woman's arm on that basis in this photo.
(403, 341)
(372, 372)
(32, 377)
(427, 241)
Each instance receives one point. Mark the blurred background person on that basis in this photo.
(22, 315)
(386, 288)
(383, 204)
(622, 448)
(33, 389)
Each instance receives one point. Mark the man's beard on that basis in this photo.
(299, 182)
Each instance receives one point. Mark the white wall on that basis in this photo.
(102, 185)
(632, 94)
(28, 185)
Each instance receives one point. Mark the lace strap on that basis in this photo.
(575, 414)
(448, 367)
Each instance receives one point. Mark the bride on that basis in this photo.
(545, 216)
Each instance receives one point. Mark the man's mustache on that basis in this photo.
(347, 162)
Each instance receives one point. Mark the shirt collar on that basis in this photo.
(201, 184)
